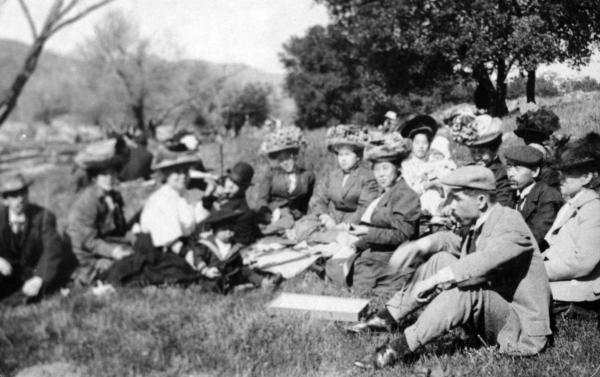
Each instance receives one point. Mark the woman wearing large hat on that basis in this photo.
(572, 259)
(421, 129)
(286, 190)
(389, 220)
(344, 194)
(482, 134)
(96, 222)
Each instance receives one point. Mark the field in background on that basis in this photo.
(187, 332)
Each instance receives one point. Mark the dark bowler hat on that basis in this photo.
(241, 173)
(222, 217)
(421, 123)
(13, 182)
(471, 177)
(524, 156)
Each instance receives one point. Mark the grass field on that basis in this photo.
(168, 331)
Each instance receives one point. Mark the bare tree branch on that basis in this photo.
(80, 15)
(30, 21)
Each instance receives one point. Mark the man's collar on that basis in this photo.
(483, 218)
(16, 218)
(524, 192)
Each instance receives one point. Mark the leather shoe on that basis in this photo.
(390, 353)
(373, 323)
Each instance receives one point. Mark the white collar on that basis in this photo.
(223, 247)
(15, 218)
(483, 218)
(523, 193)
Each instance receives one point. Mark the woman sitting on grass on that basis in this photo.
(572, 259)
(344, 194)
(96, 225)
(389, 220)
(284, 193)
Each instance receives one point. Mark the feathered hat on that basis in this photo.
(537, 125)
(475, 130)
(387, 147)
(583, 153)
(284, 138)
(347, 134)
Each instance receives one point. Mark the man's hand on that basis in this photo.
(211, 272)
(275, 215)
(5, 267)
(32, 287)
(424, 290)
(121, 252)
(359, 230)
(327, 221)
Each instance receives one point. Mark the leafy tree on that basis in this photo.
(60, 15)
(248, 106)
(482, 38)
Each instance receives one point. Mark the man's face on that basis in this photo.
(520, 176)
(16, 200)
(465, 208)
(224, 234)
(107, 180)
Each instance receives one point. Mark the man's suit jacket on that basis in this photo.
(539, 210)
(395, 219)
(507, 261)
(573, 257)
(273, 191)
(347, 203)
(38, 252)
(505, 194)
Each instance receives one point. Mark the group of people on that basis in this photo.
(495, 245)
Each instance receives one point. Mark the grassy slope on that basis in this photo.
(170, 331)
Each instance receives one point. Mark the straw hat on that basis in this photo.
(475, 130)
(102, 154)
(284, 138)
(350, 134)
(165, 159)
(388, 147)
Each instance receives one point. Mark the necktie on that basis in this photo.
(520, 202)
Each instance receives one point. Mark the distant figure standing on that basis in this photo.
(140, 160)
(31, 252)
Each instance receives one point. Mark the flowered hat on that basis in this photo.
(284, 138)
(350, 134)
(387, 147)
(475, 130)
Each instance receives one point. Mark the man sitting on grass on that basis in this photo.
(218, 257)
(493, 279)
(537, 202)
(31, 252)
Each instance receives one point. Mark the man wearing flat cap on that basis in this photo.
(31, 252)
(538, 202)
(493, 279)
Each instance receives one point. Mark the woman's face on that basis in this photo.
(385, 173)
(420, 146)
(287, 160)
(573, 182)
(482, 155)
(230, 188)
(178, 179)
(347, 157)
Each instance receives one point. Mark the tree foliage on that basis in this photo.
(406, 52)
(248, 106)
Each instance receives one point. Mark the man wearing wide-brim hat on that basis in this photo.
(498, 282)
(482, 134)
(96, 223)
(31, 252)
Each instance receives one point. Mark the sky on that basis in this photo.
(221, 31)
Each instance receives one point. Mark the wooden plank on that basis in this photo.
(322, 307)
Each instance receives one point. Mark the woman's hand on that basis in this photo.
(359, 230)
(211, 272)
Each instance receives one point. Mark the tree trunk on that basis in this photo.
(531, 86)
(487, 97)
(8, 101)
